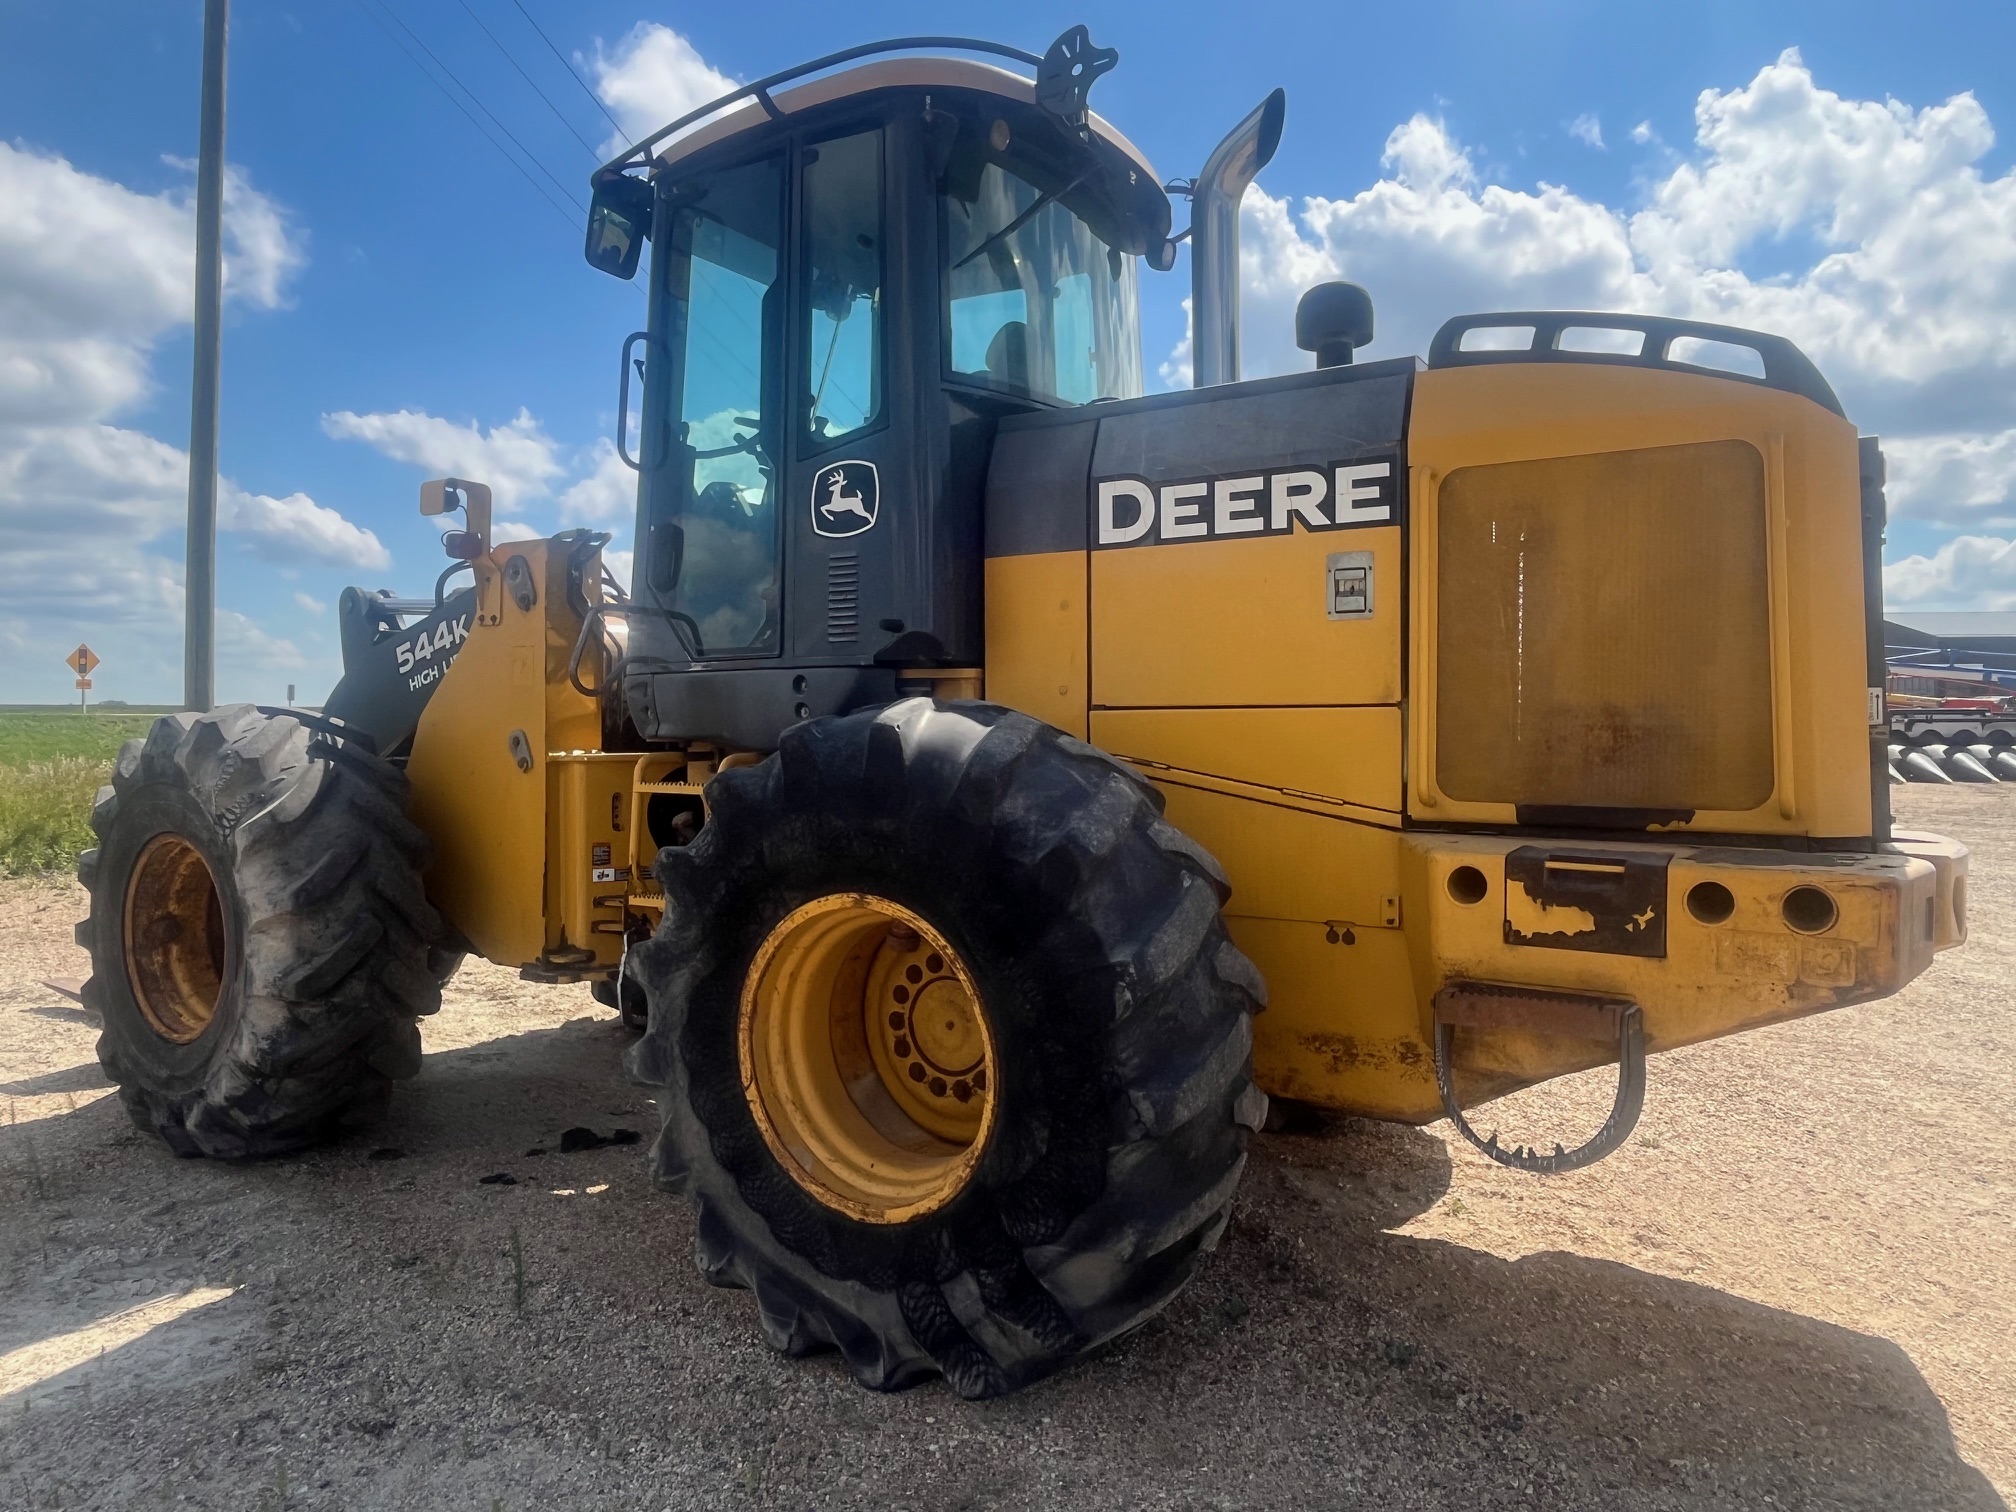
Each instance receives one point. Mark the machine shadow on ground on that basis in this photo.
(1411, 1368)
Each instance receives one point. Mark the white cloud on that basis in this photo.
(1915, 278)
(310, 603)
(1967, 572)
(1643, 133)
(1587, 129)
(517, 459)
(243, 644)
(1175, 369)
(296, 529)
(607, 496)
(62, 484)
(93, 276)
(1429, 241)
(1907, 298)
(606, 499)
(620, 564)
(521, 463)
(651, 78)
(1952, 479)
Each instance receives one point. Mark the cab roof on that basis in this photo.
(925, 72)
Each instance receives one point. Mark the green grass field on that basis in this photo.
(51, 765)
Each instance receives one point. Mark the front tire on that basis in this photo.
(989, 1221)
(259, 935)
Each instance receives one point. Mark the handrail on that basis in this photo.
(623, 402)
(640, 151)
(1786, 368)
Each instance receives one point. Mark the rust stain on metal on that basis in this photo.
(1339, 1052)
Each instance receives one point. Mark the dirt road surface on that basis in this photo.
(1793, 1289)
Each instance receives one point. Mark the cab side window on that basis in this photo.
(842, 320)
(1035, 303)
(721, 550)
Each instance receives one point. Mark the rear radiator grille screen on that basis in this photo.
(1604, 631)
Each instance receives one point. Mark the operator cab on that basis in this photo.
(853, 281)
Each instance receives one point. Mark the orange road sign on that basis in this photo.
(82, 661)
(83, 682)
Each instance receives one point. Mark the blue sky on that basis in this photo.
(404, 301)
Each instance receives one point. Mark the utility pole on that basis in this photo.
(199, 636)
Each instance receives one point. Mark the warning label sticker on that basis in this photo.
(609, 873)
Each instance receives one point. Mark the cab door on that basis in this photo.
(713, 546)
(845, 505)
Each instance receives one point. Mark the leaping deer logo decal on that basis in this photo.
(838, 503)
(845, 498)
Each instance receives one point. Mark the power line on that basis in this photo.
(568, 66)
(478, 102)
(528, 79)
(557, 207)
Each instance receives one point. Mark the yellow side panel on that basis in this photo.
(1484, 417)
(1340, 1027)
(486, 817)
(1242, 622)
(1349, 754)
(1036, 636)
(589, 795)
(1286, 863)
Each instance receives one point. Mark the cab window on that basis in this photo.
(843, 286)
(723, 290)
(1035, 302)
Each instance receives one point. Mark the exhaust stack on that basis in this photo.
(1214, 243)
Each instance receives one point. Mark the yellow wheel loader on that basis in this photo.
(993, 783)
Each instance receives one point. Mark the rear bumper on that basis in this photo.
(1706, 940)
(1949, 860)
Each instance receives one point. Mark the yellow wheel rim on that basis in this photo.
(866, 1057)
(175, 938)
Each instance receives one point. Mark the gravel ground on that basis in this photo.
(1792, 1289)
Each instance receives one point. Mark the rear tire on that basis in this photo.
(259, 934)
(1118, 1023)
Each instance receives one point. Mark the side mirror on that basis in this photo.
(619, 223)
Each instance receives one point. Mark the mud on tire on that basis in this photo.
(317, 935)
(1120, 1010)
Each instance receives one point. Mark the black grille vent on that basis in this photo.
(843, 597)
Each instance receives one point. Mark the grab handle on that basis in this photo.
(623, 401)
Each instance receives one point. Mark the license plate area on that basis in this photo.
(1608, 902)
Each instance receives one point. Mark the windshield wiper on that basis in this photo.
(1046, 198)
